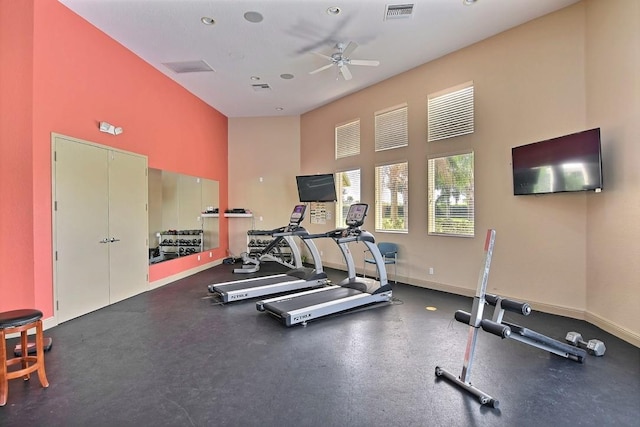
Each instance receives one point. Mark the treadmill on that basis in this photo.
(353, 292)
(293, 280)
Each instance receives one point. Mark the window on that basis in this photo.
(392, 197)
(450, 112)
(348, 189)
(450, 198)
(391, 128)
(348, 139)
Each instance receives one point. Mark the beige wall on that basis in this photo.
(534, 82)
(613, 230)
(571, 254)
(264, 158)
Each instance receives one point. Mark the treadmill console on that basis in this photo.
(297, 215)
(356, 215)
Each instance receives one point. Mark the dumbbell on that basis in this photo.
(593, 347)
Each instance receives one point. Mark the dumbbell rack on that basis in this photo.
(177, 243)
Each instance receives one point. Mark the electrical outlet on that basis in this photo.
(430, 270)
(198, 257)
(210, 254)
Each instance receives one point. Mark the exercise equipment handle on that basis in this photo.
(494, 328)
(509, 305)
(503, 331)
(462, 317)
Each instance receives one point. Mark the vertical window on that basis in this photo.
(348, 139)
(391, 128)
(392, 197)
(450, 112)
(348, 189)
(450, 195)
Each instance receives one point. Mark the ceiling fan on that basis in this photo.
(342, 58)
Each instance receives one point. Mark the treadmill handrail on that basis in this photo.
(335, 234)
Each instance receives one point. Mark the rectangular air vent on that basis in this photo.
(261, 87)
(395, 11)
(188, 66)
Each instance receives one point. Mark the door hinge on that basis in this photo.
(147, 277)
(55, 156)
(57, 305)
(56, 255)
(55, 205)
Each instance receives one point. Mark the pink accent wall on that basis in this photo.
(16, 178)
(80, 77)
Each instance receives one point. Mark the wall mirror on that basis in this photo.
(176, 224)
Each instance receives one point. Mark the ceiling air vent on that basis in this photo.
(188, 66)
(261, 87)
(395, 11)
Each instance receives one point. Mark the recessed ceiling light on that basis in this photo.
(253, 17)
(255, 78)
(468, 2)
(333, 10)
(207, 20)
(279, 108)
(286, 76)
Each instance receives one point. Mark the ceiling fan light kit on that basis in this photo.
(342, 58)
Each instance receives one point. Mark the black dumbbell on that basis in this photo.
(593, 347)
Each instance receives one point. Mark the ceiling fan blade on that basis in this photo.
(349, 49)
(321, 69)
(367, 62)
(322, 55)
(345, 72)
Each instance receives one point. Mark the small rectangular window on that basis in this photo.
(451, 195)
(348, 189)
(391, 128)
(450, 112)
(392, 197)
(348, 139)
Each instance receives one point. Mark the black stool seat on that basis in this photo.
(15, 318)
(21, 321)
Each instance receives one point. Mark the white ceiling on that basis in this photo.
(165, 31)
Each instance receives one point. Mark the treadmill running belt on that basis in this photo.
(296, 303)
(268, 280)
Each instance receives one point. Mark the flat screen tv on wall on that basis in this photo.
(316, 188)
(564, 164)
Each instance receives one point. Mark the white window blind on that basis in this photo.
(392, 197)
(348, 139)
(391, 128)
(450, 195)
(450, 113)
(348, 189)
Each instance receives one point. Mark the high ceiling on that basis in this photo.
(262, 52)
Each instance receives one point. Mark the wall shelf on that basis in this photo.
(238, 215)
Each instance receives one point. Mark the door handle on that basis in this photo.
(105, 240)
(113, 239)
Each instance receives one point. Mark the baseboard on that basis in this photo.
(614, 329)
(574, 313)
(631, 337)
(183, 274)
(456, 290)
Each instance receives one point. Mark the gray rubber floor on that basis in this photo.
(176, 357)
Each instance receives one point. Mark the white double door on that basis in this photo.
(100, 226)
